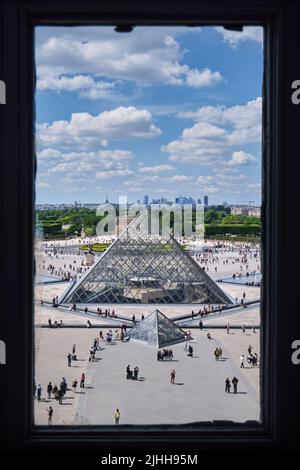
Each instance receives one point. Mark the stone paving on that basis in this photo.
(198, 394)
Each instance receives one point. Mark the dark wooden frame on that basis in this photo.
(17, 195)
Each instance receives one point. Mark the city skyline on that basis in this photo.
(160, 111)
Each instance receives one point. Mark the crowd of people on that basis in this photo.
(251, 358)
(229, 255)
(165, 354)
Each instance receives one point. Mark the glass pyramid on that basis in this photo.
(157, 330)
(142, 268)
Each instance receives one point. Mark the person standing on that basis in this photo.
(60, 394)
(55, 392)
(135, 373)
(82, 381)
(74, 385)
(227, 385)
(201, 324)
(235, 382)
(173, 374)
(242, 361)
(50, 415)
(69, 357)
(227, 328)
(117, 416)
(49, 390)
(39, 392)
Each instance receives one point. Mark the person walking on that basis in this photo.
(82, 380)
(50, 415)
(227, 385)
(201, 324)
(242, 361)
(173, 374)
(235, 382)
(227, 328)
(117, 416)
(49, 390)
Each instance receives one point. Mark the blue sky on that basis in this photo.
(159, 111)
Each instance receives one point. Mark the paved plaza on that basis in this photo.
(197, 396)
(199, 390)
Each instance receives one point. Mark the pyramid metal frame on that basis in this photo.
(157, 330)
(141, 268)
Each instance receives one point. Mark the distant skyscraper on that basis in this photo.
(199, 201)
(146, 200)
(206, 200)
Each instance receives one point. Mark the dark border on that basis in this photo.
(17, 195)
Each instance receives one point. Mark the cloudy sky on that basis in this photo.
(161, 111)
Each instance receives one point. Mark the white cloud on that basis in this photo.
(179, 179)
(103, 175)
(207, 143)
(84, 84)
(85, 131)
(202, 144)
(155, 169)
(147, 56)
(235, 38)
(242, 158)
(49, 153)
(201, 78)
(76, 168)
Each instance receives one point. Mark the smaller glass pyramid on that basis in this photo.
(157, 330)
